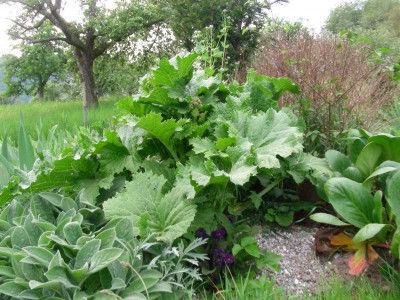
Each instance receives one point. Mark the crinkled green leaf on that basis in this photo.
(168, 216)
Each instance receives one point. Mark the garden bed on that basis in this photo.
(303, 269)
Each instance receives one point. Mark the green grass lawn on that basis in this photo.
(67, 115)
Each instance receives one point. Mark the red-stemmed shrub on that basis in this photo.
(342, 87)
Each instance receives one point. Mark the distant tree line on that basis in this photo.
(376, 20)
(113, 45)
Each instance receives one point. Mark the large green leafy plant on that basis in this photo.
(364, 191)
(185, 149)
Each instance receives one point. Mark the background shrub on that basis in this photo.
(341, 86)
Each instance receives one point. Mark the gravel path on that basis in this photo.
(300, 269)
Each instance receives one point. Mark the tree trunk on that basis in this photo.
(85, 65)
(41, 92)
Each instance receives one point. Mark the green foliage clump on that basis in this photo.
(37, 65)
(187, 150)
(376, 20)
(55, 246)
(357, 187)
(246, 19)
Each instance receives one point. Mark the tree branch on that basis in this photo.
(108, 44)
(46, 40)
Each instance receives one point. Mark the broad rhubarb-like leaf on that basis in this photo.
(167, 216)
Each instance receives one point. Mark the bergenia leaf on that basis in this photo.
(369, 231)
(393, 195)
(351, 200)
(327, 219)
(363, 257)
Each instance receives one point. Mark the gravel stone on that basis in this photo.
(301, 270)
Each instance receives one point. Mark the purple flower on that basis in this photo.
(219, 252)
(201, 233)
(229, 259)
(219, 233)
(219, 261)
(231, 219)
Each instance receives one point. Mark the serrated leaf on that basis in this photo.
(248, 240)
(256, 199)
(169, 216)
(162, 130)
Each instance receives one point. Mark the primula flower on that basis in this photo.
(219, 252)
(219, 233)
(201, 233)
(229, 259)
(231, 219)
(219, 261)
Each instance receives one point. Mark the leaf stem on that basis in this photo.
(127, 265)
(173, 153)
(269, 187)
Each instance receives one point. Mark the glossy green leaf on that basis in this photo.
(337, 161)
(369, 231)
(327, 219)
(252, 249)
(393, 195)
(351, 201)
(369, 159)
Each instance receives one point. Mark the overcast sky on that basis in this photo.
(313, 13)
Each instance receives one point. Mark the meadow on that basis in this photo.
(66, 115)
